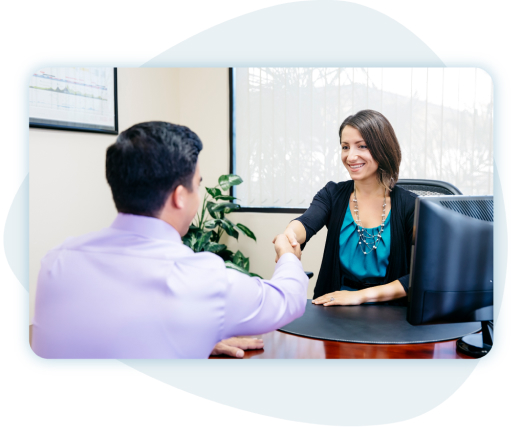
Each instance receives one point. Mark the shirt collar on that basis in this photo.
(146, 226)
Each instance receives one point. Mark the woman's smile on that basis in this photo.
(356, 166)
(356, 156)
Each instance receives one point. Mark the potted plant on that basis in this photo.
(210, 224)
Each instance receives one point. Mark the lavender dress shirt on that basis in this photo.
(133, 290)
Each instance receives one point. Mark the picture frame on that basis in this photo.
(80, 99)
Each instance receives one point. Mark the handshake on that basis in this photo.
(287, 243)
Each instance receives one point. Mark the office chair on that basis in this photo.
(427, 187)
(422, 187)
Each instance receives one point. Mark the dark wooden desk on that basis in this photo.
(282, 345)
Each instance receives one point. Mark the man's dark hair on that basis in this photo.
(147, 162)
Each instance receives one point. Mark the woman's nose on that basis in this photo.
(351, 155)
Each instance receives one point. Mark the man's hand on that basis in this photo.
(283, 246)
(234, 347)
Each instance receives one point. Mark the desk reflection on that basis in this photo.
(282, 345)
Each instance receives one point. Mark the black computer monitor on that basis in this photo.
(451, 278)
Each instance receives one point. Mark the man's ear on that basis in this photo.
(178, 197)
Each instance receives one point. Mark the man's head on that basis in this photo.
(152, 167)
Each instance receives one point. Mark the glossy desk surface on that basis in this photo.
(282, 345)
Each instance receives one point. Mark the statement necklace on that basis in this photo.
(368, 242)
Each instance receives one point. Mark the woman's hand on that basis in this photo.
(295, 233)
(291, 236)
(283, 246)
(340, 298)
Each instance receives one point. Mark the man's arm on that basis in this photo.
(254, 306)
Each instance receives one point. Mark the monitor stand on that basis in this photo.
(477, 345)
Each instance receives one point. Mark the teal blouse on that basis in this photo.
(369, 268)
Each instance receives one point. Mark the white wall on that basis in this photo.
(68, 192)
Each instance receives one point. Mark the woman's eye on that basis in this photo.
(363, 146)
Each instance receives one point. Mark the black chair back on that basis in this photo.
(427, 187)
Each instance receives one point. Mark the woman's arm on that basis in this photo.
(296, 233)
(387, 292)
(301, 229)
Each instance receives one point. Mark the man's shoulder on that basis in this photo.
(76, 242)
(110, 241)
(205, 260)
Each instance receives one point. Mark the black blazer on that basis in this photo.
(329, 208)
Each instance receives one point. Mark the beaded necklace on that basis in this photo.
(368, 242)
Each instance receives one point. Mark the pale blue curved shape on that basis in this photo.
(311, 33)
(341, 392)
(16, 234)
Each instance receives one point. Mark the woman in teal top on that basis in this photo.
(369, 220)
(357, 266)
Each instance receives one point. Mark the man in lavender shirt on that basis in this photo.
(133, 290)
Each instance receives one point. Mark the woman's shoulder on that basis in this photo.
(338, 187)
(333, 193)
(404, 193)
(405, 197)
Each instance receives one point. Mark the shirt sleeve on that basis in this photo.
(318, 214)
(255, 306)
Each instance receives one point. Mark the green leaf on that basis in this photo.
(226, 254)
(230, 264)
(190, 241)
(202, 240)
(246, 231)
(225, 207)
(238, 258)
(211, 223)
(228, 226)
(214, 192)
(213, 213)
(214, 236)
(214, 247)
(225, 197)
(227, 181)
(241, 260)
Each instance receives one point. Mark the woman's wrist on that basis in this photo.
(296, 230)
(368, 295)
(352, 297)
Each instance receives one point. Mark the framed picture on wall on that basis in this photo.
(74, 98)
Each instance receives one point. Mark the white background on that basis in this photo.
(37, 34)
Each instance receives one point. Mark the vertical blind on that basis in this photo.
(286, 143)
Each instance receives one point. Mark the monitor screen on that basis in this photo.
(451, 276)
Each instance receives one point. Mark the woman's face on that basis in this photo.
(356, 156)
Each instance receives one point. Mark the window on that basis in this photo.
(285, 142)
